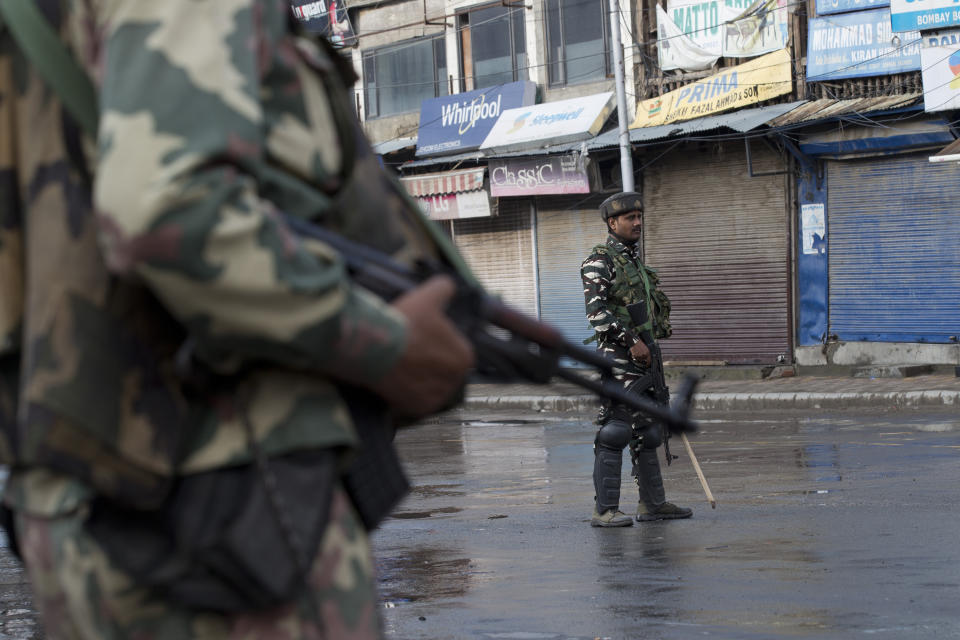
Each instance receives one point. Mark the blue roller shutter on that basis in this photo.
(567, 228)
(893, 230)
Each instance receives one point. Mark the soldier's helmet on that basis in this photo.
(621, 203)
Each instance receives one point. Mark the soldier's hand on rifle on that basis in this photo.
(437, 357)
(640, 352)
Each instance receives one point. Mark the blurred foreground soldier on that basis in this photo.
(614, 277)
(189, 394)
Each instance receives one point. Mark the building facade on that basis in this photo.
(783, 149)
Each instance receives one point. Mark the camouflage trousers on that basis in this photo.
(81, 596)
(625, 372)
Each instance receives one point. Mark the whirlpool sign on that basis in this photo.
(461, 122)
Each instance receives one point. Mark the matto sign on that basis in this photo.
(538, 176)
(755, 81)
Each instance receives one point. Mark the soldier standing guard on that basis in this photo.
(614, 277)
(186, 387)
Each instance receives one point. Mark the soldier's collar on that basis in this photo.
(619, 244)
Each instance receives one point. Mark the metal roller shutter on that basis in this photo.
(567, 228)
(719, 240)
(499, 250)
(894, 249)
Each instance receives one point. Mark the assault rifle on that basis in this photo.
(532, 350)
(660, 392)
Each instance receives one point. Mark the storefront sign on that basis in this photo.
(755, 81)
(940, 59)
(454, 206)
(692, 34)
(328, 18)
(678, 50)
(702, 20)
(549, 123)
(923, 15)
(854, 45)
(538, 176)
(840, 6)
(457, 123)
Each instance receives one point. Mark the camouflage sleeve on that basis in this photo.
(11, 227)
(596, 275)
(182, 141)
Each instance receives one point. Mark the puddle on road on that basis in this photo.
(437, 490)
(424, 575)
(416, 515)
(498, 423)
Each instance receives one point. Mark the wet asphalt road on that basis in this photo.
(833, 526)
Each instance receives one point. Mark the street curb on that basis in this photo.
(801, 400)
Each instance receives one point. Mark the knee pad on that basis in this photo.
(651, 437)
(614, 435)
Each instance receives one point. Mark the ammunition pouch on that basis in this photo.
(218, 543)
(375, 480)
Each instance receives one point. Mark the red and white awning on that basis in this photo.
(448, 182)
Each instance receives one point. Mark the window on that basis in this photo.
(493, 46)
(578, 41)
(397, 78)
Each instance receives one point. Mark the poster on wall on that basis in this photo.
(813, 228)
(859, 44)
(760, 79)
(328, 18)
(940, 59)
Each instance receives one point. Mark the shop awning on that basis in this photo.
(447, 182)
(395, 144)
(950, 153)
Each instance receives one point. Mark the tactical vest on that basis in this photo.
(632, 283)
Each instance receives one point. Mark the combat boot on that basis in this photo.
(653, 503)
(610, 518)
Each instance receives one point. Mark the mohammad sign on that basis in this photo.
(760, 79)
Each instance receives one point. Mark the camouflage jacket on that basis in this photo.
(613, 277)
(202, 142)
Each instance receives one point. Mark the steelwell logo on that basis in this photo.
(543, 119)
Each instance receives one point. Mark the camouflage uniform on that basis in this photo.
(214, 117)
(613, 276)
